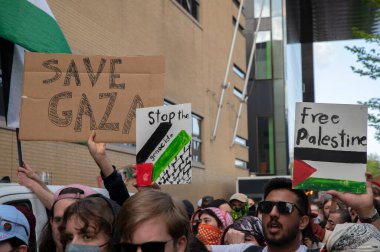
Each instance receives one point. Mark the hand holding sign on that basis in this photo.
(98, 153)
(361, 203)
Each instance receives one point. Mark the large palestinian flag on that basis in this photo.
(330, 149)
(30, 25)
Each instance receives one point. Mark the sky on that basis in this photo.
(336, 83)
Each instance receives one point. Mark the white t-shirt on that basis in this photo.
(240, 247)
(243, 246)
(301, 248)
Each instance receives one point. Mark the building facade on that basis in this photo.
(283, 71)
(195, 38)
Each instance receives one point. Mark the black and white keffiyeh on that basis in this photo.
(354, 237)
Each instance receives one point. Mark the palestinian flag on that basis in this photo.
(322, 170)
(30, 25)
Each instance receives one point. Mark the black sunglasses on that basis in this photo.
(153, 246)
(282, 207)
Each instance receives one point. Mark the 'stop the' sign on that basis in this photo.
(66, 96)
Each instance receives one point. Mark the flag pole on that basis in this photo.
(19, 149)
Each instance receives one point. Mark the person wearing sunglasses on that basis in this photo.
(151, 221)
(14, 230)
(284, 214)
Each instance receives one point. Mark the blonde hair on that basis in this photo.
(149, 204)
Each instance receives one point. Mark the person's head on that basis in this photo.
(194, 221)
(356, 237)
(239, 205)
(88, 224)
(222, 204)
(28, 213)
(251, 202)
(195, 244)
(206, 200)
(14, 230)
(215, 217)
(153, 221)
(284, 214)
(64, 197)
(314, 208)
(238, 201)
(337, 216)
(251, 227)
(189, 208)
(326, 204)
(212, 222)
(354, 215)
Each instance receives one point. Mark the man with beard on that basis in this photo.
(284, 216)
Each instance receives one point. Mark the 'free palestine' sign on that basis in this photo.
(330, 149)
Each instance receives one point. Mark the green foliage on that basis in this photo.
(373, 164)
(369, 60)
(374, 115)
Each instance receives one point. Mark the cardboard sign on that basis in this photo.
(330, 149)
(66, 96)
(164, 139)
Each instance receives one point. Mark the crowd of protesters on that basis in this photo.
(80, 219)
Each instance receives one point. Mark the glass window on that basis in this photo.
(237, 70)
(236, 2)
(238, 93)
(166, 102)
(263, 56)
(265, 145)
(196, 138)
(240, 27)
(240, 163)
(191, 6)
(240, 141)
(257, 8)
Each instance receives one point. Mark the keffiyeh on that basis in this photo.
(354, 237)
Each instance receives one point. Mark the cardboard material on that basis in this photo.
(66, 96)
(164, 139)
(330, 149)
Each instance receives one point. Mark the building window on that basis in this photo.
(238, 93)
(240, 27)
(236, 2)
(263, 56)
(237, 70)
(265, 145)
(168, 103)
(240, 163)
(257, 8)
(191, 6)
(196, 138)
(241, 141)
(196, 135)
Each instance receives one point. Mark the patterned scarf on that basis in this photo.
(237, 213)
(354, 237)
(208, 234)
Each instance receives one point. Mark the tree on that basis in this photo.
(373, 164)
(369, 59)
